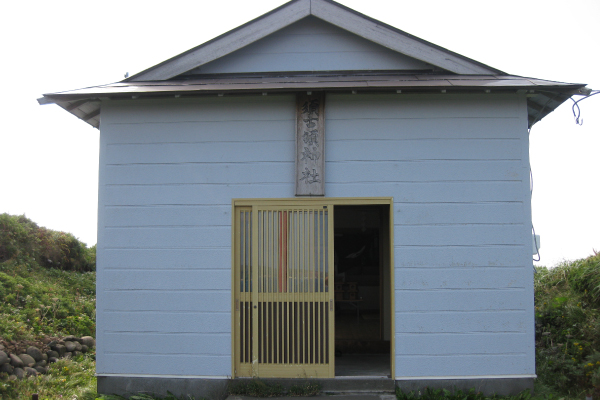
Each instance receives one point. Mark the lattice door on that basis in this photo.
(284, 305)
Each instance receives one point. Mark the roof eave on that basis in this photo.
(86, 104)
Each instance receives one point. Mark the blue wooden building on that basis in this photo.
(315, 194)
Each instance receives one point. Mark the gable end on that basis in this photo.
(328, 11)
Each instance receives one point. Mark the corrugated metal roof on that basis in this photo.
(543, 98)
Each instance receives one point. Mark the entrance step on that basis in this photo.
(340, 385)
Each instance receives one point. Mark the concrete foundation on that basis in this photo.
(209, 388)
(489, 386)
(217, 388)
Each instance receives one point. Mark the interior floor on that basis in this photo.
(375, 365)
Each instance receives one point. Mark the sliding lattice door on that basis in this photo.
(283, 278)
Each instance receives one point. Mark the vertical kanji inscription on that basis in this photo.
(310, 143)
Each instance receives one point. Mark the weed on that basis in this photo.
(45, 302)
(567, 299)
(456, 394)
(24, 241)
(255, 388)
(307, 389)
(258, 388)
(65, 379)
(146, 396)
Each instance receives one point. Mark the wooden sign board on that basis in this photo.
(310, 145)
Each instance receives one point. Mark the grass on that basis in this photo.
(47, 289)
(47, 282)
(65, 379)
(143, 396)
(445, 394)
(39, 302)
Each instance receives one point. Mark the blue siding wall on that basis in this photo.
(312, 45)
(169, 171)
(456, 166)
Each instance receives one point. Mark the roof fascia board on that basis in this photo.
(227, 43)
(396, 40)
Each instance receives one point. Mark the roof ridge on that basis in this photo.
(328, 11)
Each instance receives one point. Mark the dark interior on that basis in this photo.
(359, 262)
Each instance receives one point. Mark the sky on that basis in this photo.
(49, 158)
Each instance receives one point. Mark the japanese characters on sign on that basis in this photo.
(310, 143)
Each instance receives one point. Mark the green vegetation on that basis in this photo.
(39, 302)
(23, 241)
(66, 378)
(258, 388)
(444, 394)
(142, 396)
(47, 290)
(44, 290)
(568, 327)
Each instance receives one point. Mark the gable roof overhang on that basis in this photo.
(328, 11)
(542, 96)
(464, 74)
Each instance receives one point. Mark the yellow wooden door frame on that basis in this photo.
(331, 202)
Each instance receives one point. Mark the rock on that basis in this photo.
(19, 373)
(68, 354)
(70, 346)
(52, 360)
(3, 358)
(45, 357)
(52, 353)
(52, 344)
(77, 354)
(27, 360)
(88, 341)
(77, 346)
(12, 378)
(30, 371)
(35, 353)
(84, 348)
(69, 338)
(42, 363)
(1, 347)
(41, 370)
(60, 349)
(7, 368)
(16, 362)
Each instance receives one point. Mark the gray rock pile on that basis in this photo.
(34, 362)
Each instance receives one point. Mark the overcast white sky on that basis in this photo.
(49, 158)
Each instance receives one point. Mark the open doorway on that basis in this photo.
(362, 290)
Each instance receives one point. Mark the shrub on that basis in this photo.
(568, 326)
(24, 241)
